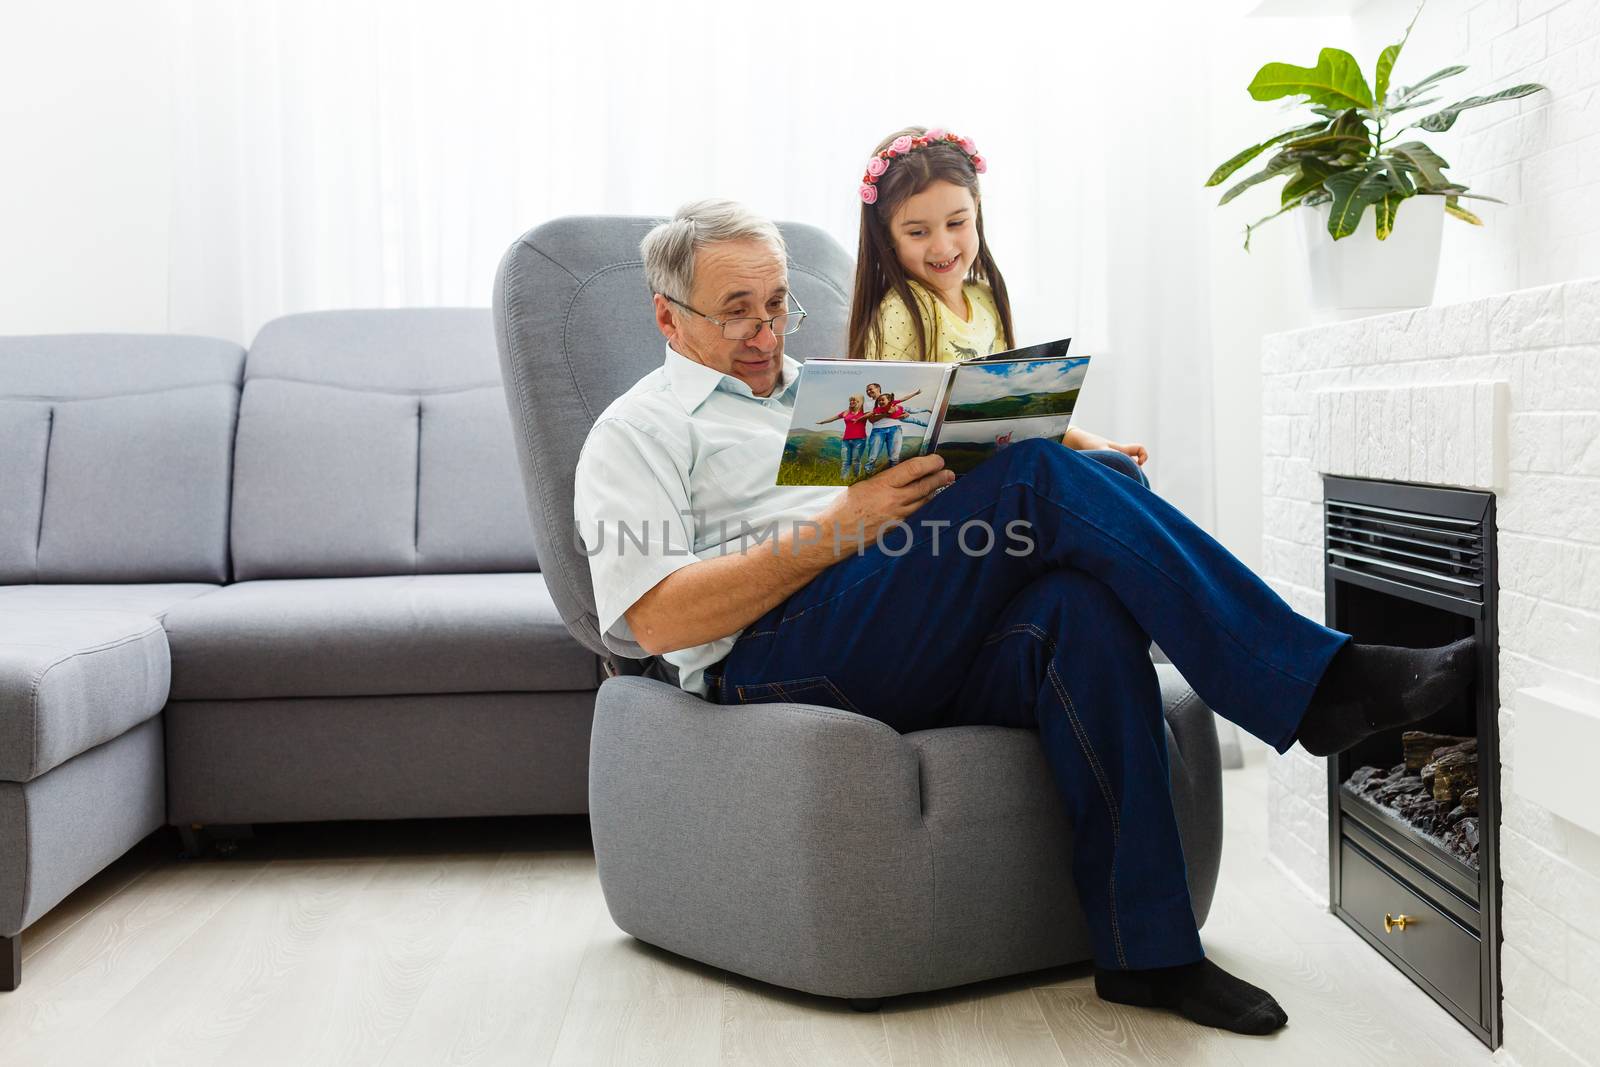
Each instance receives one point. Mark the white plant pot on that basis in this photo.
(1360, 275)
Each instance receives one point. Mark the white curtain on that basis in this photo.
(366, 154)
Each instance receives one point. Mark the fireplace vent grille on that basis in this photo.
(1432, 552)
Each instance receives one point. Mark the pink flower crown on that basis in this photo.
(902, 145)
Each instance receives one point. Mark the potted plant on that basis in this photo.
(1355, 156)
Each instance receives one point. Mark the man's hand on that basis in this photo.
(864, 509)
(717, 596)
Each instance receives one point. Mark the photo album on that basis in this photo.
(854, 418)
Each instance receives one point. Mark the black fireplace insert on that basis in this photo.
(1414, 814)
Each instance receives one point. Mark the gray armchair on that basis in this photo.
(799, 845)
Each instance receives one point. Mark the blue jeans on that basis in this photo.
(887, 441)
(850, 459)
(1120, 462)
(919, 633)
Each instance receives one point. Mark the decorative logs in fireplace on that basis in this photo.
(1435, 789)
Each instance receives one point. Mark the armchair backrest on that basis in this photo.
(575, 329)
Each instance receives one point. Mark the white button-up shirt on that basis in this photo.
(674, 471)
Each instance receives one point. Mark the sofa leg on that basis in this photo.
(10, 962)
(866, 1003)
(199, 840)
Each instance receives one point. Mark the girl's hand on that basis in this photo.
(1136, 452)
(1084, 440)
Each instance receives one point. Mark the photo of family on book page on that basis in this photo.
(854, 418)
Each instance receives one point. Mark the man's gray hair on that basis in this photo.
(670, 248)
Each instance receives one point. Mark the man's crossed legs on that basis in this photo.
(1027, 594)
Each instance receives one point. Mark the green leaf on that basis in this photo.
(1233, 164)
(1353, 192)
(1222, 172)
(1410, 105)
(1440, 121)
(1383, 213)
(1346, 136)
(1250, 230)
(1343, 142)
(1424, 160)
(1336, 81)
(1411, 92)
(1278, 164)
(1400, 181)
(1312, 172)
(1451, 208)
(1386, 58)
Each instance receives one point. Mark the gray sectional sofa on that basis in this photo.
(297, 583)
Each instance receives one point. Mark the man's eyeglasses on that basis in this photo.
(742, 329)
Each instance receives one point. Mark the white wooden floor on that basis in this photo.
(488, 942)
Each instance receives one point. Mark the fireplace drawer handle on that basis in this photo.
(1391, 923)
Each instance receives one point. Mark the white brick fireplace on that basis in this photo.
(1500, 394)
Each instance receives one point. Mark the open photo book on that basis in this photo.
(854, 418)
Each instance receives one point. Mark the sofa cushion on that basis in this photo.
(405, 634)
(377, 442)
(152, 600)
(73, 679)
(115, 457)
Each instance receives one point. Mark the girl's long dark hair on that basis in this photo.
(878, 270)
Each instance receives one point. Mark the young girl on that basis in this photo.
(855, 437)
(927, 287)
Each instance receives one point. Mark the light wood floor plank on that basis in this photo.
(500, 994)
(1332, 1019)
(487, 942)
(139, 860)
(1094, 1033)
(84, 971)
(618, 968)
(190, 1008)
(360, 979)
(988, 1025)
(659, 1031)
(762, 1024)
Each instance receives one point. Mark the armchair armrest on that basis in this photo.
(793, 830)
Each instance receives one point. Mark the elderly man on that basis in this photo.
(1026, 594)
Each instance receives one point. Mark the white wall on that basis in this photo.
(85, 168)
(86, 177)
(1540, 154)
(210, 164)
(1263, 291)
(1543, 344)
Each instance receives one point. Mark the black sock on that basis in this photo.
(1201, 992)
(1368, 688)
